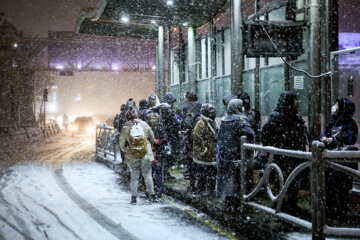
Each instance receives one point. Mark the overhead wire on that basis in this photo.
(287, 63)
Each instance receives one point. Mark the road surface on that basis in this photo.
(60, 192)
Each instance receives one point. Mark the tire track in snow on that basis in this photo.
(52, 213)
(11, 208)
(15, 228)
(116, 229)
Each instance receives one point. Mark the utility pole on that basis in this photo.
(161, 61)
(257, 71)
(213, 62)
(181, 55)
(315, 69)
(237, 56)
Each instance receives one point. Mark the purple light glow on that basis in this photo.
(79, 66)
(349, 40)
(59, 67)
(115, 68)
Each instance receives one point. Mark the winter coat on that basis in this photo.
(232, 128)
(159, 134)
(285, 129)
(254, 119)
(204, 144)
(125, 137)
(143, 110)
(169, 121)
(188, 124)
(343, 125)
(120, 120)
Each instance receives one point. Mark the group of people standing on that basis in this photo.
(212, 152)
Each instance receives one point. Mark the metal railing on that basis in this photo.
(107, 143)
(317, 161)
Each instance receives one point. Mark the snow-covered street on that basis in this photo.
(61, 193)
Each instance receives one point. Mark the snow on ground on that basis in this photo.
(33, 206)
(84, 200)
(101, 188)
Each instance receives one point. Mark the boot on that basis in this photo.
(153, 198)
(133, 200)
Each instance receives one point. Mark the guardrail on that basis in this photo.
(107, 143)
(317, 161)
(50, 129)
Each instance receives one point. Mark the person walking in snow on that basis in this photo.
(232, 128)
(286, 129)
(204, 146)
(340, 132)
(136, 140)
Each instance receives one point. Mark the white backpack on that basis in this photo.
(137, 140)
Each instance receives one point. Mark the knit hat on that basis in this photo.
(131, 114)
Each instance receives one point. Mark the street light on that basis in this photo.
(125, 19)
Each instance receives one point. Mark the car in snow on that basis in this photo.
(83, 126)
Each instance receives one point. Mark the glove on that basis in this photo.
(157, 141)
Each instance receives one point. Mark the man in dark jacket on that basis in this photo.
(171, 127)
(120, 119)
(340, 131)
(143, 110)
(252, 115)
(191, 114)
(232, 128)
(286, 129)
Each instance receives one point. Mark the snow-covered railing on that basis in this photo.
(50, 129)
(107, 143)
(316, 160)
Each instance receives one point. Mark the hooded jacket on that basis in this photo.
(252, 115)
(169, 121)
(157, 101)
(228, 98)
(285, 128)
(169, 98)
(341, 127)
(232, 128)
(143, 109)
(204, 144)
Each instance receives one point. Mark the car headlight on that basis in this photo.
(90, 129)
(74, 128)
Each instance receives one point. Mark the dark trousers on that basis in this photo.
(157, 175)
(192, 170)
(337, 187)
(206, 178)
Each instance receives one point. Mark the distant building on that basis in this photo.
(16, 81)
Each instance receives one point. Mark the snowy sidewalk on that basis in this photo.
(85, 201)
